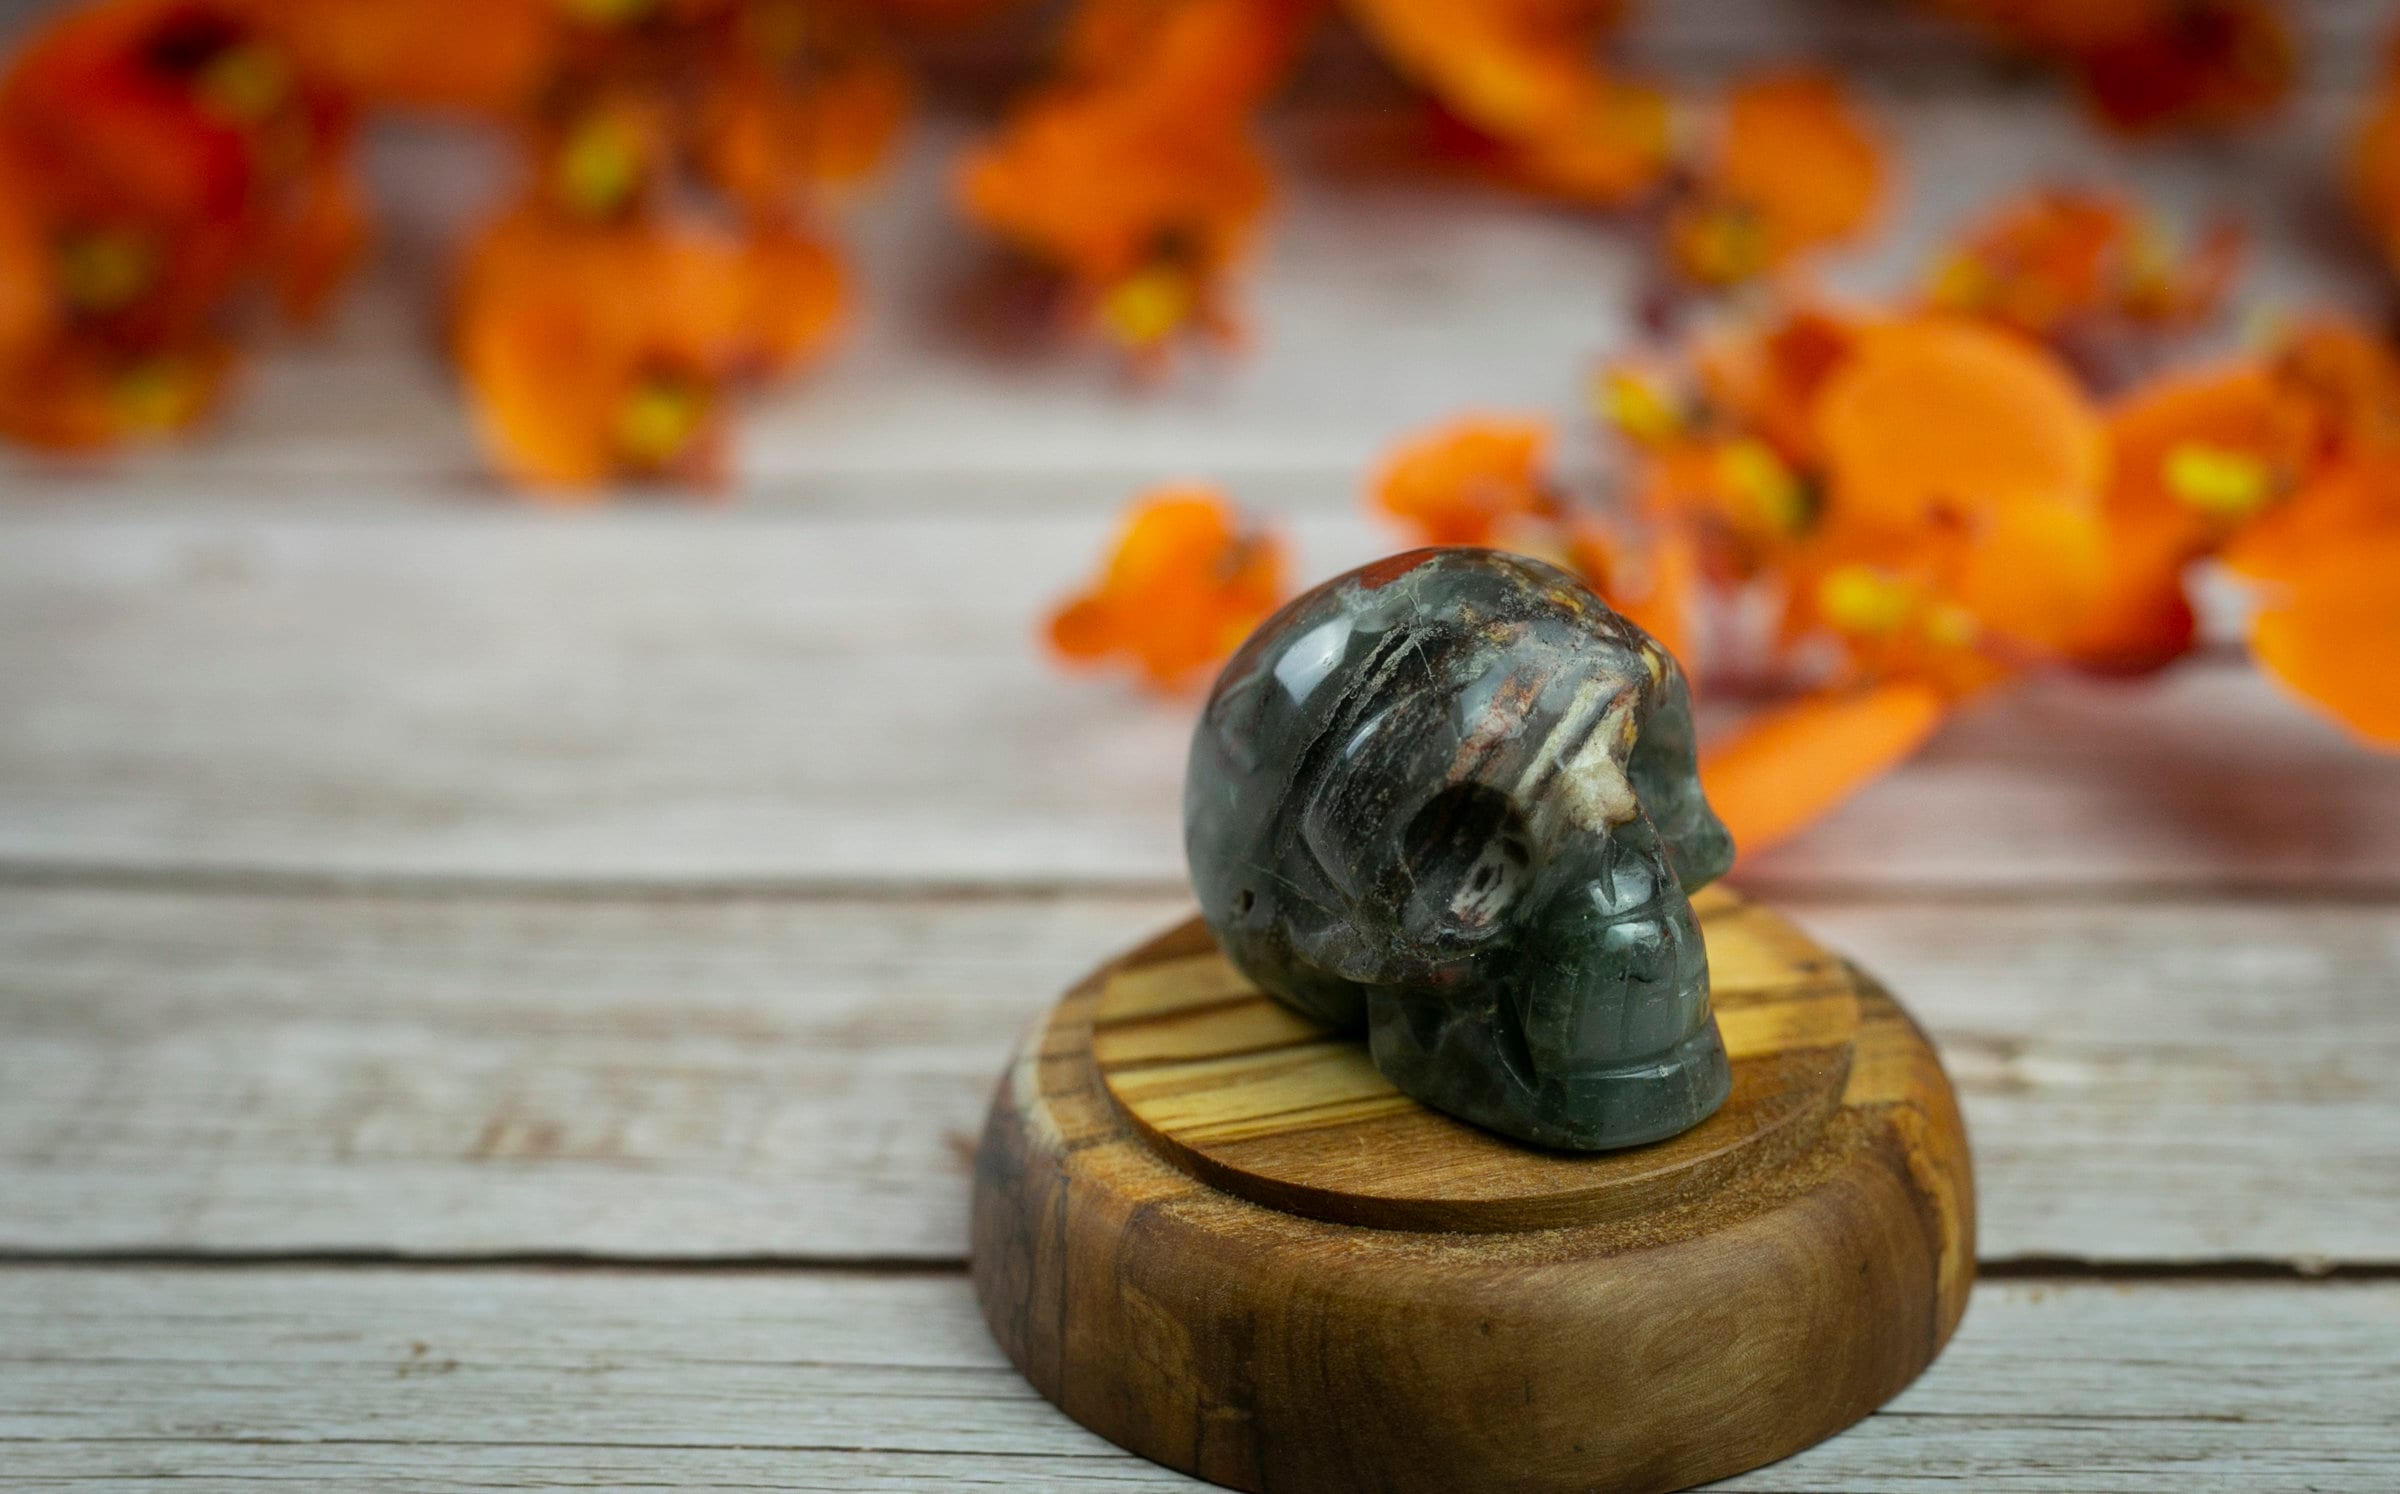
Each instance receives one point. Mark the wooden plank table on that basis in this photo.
(497, 996)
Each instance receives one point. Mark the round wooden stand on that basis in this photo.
(1216, 1236)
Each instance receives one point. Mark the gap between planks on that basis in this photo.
(2250, 1270)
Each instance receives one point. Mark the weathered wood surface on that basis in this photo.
(801, 1077)
(385, 869)
(452, 1380)
(407, 689)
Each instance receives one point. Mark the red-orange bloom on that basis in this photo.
(2059, 256)
(598, 350)
(1794, 167)
(160, 157)
(1520, 74)
(1138, 180)
(806, 94)
(1187, 581)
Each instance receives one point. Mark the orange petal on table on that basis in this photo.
(1935, 414)
(2331, 632)
(1459, 484)
(1184, 585)
(1793, 763)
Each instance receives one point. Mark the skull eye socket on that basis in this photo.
(1466, 856)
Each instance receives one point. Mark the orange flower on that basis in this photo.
(1187, 582)
(598, 350)
(1519, 74)
(2058, 255)
(1466, 482)
(1794, 167)
(1143, 186)
(807, 94)
(159, 157)
(1793, 763)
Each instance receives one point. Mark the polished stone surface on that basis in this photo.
(1450, 800)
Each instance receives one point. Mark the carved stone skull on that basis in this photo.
(1451, 799)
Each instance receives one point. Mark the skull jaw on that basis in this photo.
(1459, 1063)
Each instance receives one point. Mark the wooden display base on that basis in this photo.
(1216, 1236)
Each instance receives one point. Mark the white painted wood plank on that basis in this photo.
(805, 1078)
(387, 689)
(466, 1379)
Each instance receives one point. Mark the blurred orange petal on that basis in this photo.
(1459, 484)
(2331, 632)
(1794, 763)
(1186, 582)
(1936, 414)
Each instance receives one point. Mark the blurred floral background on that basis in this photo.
(1863, 433)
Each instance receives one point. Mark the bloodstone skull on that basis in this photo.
(1451, 798)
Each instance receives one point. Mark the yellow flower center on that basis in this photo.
(105, 269)
(1860, 599)
(1759, 478)
(599, 167)
(608, 12)
(1719, 246)
(1960, 283)
(1637, 407)
(660, 421)
(2223, 484)
(156, 394)
(1145, 307)
(244, 84)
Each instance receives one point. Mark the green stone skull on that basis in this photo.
(1451, 800)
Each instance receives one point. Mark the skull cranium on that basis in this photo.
(1451, 799)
